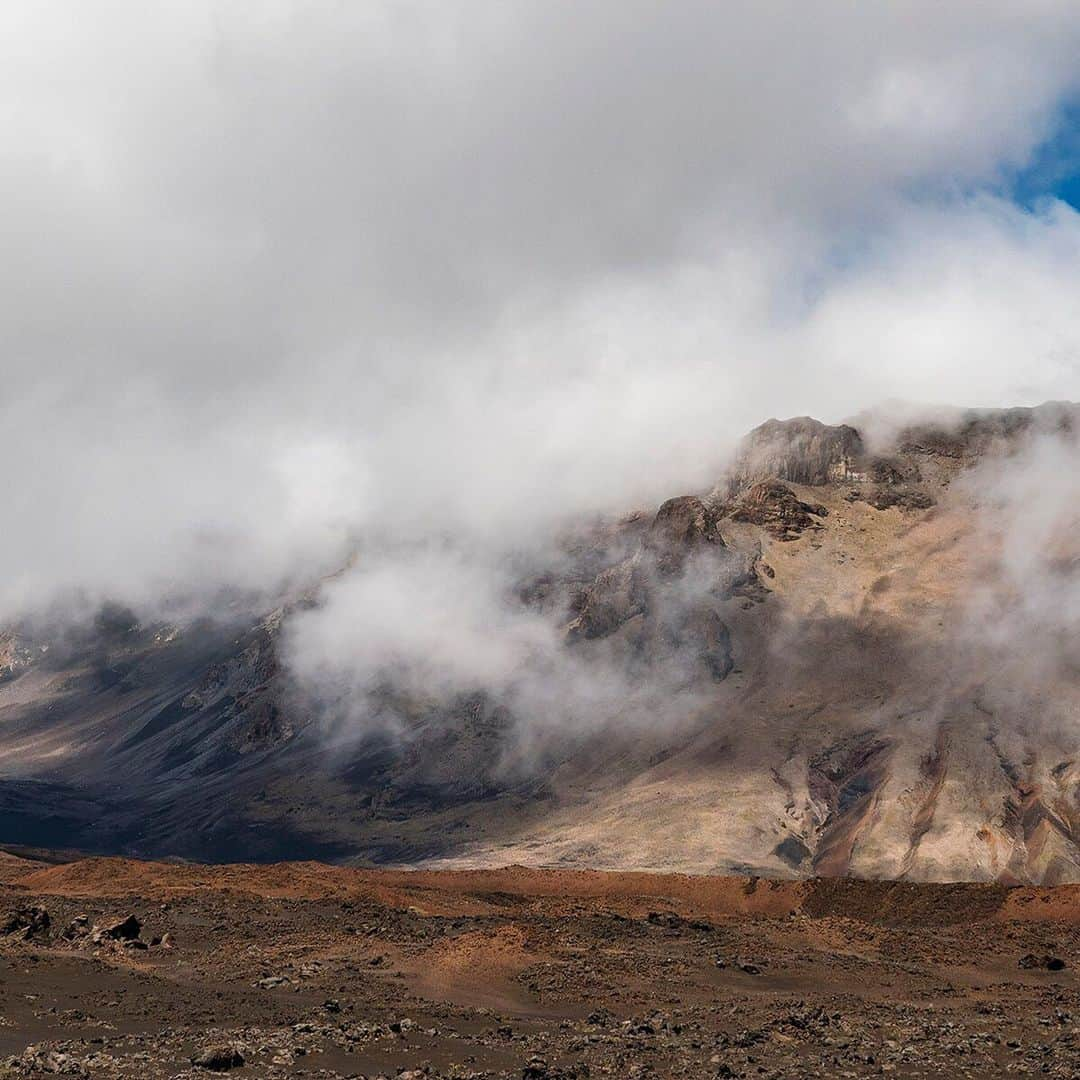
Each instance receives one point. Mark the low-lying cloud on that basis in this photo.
(279, 281)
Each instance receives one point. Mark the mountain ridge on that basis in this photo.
(809, 692)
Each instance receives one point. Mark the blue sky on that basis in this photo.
(1054, 170)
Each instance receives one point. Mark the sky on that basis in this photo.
(280, 276)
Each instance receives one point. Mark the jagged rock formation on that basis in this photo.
(776, 508)
(828, 671)
(641, 596)
(801, 451)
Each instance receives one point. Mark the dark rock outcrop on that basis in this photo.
(616, 596)
(902, 496)
(28, 923)
(1031, 962)
(126, 929)
(682, 525)
(218, 1059)
(642, 597)
(801, 451)
(777, 509)
(701, 636)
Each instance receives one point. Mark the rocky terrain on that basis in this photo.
(113, 968)
(846, 658)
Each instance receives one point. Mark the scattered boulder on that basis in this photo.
(272, 981)
(218, 1058)
(28, 923)
(78, 928)
(885, 497)
(536, 1068)
(38, 1059)
(669, 919)
(127, 929)
(1029, 961)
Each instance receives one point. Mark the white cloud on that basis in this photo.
(277, 276)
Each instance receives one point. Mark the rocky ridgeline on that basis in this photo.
(977, 432)
(205, 715)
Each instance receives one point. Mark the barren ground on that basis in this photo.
(311, 970)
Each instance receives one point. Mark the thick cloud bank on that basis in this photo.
(280, 277)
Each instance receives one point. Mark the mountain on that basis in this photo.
(853, 656)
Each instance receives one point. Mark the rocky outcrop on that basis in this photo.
(777, 509)
(641, 596)
(699, 637)
(28, 923)
(682, 526)
(885, 497)
(801, 451)
(615, 597)
(15, 656)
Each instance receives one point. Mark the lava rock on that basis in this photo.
(218, 1059)
(78, 928)
(126, 929)
(29, 923)
(1030, 962)
(777, 509)
(681, 525)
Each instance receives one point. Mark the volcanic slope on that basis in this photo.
(841, 669)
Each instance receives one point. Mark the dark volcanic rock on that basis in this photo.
(30, 923)
(902, 496)
(1032, 962)
(682, 525)
(802, 451)
(79, 927)
(125, 930)
(218, 1059)
(893, 470)
(617, 594)
(980, 430)
(700, 634)
(776, 508)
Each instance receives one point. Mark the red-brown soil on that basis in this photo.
(306, 969)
